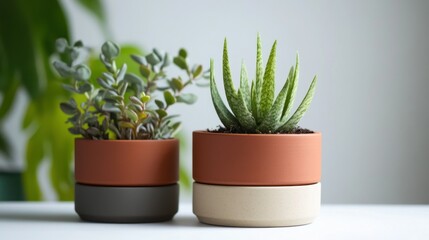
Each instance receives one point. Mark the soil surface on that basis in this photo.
(297, 130)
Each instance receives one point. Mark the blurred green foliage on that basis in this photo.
(28, 30)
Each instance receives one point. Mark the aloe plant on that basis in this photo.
(122, 106)
(254, 108)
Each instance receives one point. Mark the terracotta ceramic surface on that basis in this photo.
(127, 162)
(256, 206)
(257, 159)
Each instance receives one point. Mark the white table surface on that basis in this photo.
(59, 221)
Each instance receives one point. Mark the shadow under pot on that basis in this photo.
(256, 180)
(126, 181)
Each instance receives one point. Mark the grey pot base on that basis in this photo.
(126, 204)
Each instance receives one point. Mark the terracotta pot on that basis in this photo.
(257, 159)
(127, 162)
(126, 180)
(256, 180)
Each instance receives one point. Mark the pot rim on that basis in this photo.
(259, 134)
(125, 140)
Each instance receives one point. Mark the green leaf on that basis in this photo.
(203, 84)
(68, 108)
(123, 86)
(159, 103)
(225, 116)
(161, 113)
(167, 61)
(299, 113)
(86, 87)
(134, 81)
(183, 53)
(227, 78)
(70, 88)
(29, 116)
(236, 101)
(102, 83)
(259, 78)
(115, 130)
(145, 71)
(131, 115)
(177, 83)
(8, 98)
(197, 72)
(145, 99)
(74, 130)
(169, 98)
(35, 152)
(82, 73)
(109, 107)
(22, 47)
(61, 44)
(180, 62)
(5, 146)
(95, 7)
(109, 78)
(152, 59)
(268, 86)
(135, 100)
(271, 121)
(110, 50)
(124, 124)
(293, 86)
(157, 53)
(139, 59)
(93, 131)
(188, 98)
(62, 69)
(244, 85)
(122, 72)
(78, 44)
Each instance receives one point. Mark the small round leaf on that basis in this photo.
(110, 50)
(169, 98)
(82, 73)
(61, 45)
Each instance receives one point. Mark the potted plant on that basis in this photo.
(126, 161)
(259, 169)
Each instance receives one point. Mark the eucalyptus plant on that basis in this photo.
(254, 109)
(119, 104)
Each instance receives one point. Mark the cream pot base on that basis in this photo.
(260, 206)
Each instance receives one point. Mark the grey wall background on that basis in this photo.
(372, 59)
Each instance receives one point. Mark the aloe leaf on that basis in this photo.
(244, 116)
(244, 85)
(271, 121)
(236, 101)
(268, 86)
(259, 77)
(225, 116)
(227, 78)
(299, 113)
(293, 86)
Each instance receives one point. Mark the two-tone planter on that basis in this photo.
(126, 180)
(256, 180)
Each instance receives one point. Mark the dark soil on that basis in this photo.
(297, 130)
